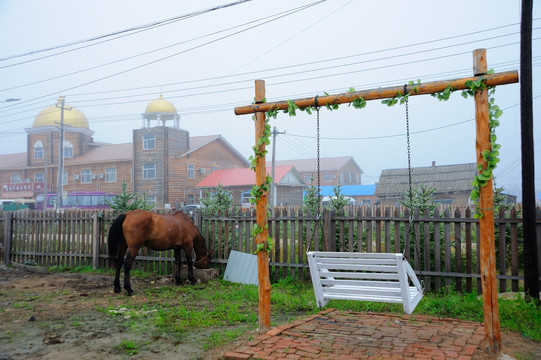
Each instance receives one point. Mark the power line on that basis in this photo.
(141, 54)
(304, 64)
(323, 61)
(132, 30)
(172, 55)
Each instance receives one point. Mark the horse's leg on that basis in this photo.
(177, 266)
(119, 261)
(189, 261)
(128, 262)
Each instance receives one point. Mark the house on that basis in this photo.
(289, 185)
(362, 194)
(333, 170)
(453, 183)
(164, 162)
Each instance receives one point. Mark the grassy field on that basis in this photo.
(219, 303)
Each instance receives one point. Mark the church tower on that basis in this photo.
(156, 147)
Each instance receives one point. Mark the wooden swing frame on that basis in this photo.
(486, 196)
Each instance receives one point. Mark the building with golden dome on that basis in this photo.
(162, 161)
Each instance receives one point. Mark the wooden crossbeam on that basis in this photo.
(507, 77)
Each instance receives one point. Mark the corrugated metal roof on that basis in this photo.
(350, 190)
(12, 161)
(310, 165)
(116, 152)
(445, 178)
(197, 142)
(243, 176)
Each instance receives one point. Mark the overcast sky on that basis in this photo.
(205, 57)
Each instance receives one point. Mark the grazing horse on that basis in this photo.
(137, 228)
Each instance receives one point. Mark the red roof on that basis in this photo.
(240, 176)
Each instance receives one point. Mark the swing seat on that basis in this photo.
(378, 277)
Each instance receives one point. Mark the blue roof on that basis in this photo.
(350, 190)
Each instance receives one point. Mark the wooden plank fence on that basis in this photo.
(443, 248)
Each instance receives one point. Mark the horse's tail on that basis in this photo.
(116, 236)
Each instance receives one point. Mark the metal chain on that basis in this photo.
(410, 181)
(318, 174)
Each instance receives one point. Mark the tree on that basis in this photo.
(339, 200)
(217, 199)
(312, 198)
(126, 201)
(420, 199)
(500, 199)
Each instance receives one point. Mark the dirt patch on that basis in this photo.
(56, 316)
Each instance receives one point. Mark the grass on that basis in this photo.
(172, 311)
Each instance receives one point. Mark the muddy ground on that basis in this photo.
(53, 316)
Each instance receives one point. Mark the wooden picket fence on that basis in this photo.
(442, 248)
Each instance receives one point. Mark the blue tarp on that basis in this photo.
(350, 190)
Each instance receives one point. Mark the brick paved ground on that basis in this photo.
(340, 335)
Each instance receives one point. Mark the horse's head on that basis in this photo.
(203, 262)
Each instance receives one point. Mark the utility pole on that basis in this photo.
(46, 176)
(60, 184)
(273, 184)
(531, 270)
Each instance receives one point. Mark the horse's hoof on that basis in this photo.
(193, 282)
(118, 290)
(130, 293)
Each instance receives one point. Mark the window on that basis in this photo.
(149, 141)
(38, 178)
(308, 178)
(327, 177)
(110, 174)
(68, 149)
(150, 199)
(191, 171)
(15, 178)
(38, 150)
(214, 168)
(149, 171)
(439, 202)
(65, 178)
(191, 199)
(86, 176)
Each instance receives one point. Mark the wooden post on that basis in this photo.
(486, 208)
(261, 213)
(8, 233)
(95, 241)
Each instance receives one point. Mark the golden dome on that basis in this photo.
(50, 116)
(160, 106)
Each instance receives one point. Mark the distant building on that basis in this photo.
(453, 183)
(333, 170)
(163, 162)
(362, 194)
(289, 185)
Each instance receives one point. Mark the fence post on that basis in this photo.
(329, 232)
(95, 242)
(7, 236)
(198, 220)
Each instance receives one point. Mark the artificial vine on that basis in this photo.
(258, 190)
(484, 174)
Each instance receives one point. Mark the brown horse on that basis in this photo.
(137, 228)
